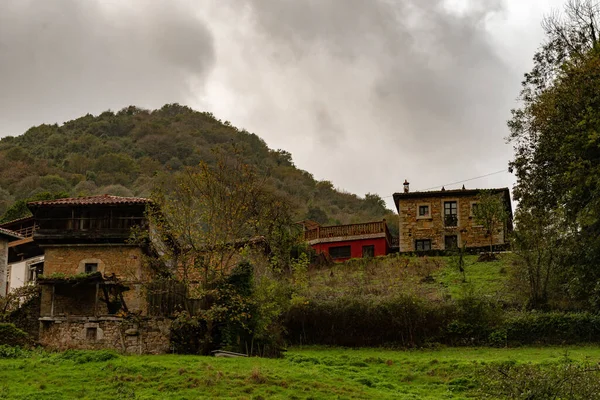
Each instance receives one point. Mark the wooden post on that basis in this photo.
(52, 302)
(96, 300)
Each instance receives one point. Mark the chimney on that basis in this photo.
(406, 186)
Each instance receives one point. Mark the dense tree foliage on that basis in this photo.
(123, 153)
(556, 134)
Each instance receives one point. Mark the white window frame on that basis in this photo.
(428, 216)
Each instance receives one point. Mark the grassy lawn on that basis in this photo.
(431, 277)
(305, 373)
(486, 278)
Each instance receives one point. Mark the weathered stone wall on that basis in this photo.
(143, 336)
(467, 230)
(3, 265)
(126, 262)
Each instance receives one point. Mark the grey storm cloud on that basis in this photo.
(64, 58)
(410, 88)
(417, 89)
(430, 71)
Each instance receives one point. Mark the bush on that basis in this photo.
(87, 356)
(552, 328)
(367, 321)
(12, 336)
(13, 352)
(565, 380)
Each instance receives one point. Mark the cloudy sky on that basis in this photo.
(364, 93)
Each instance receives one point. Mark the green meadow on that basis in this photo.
(304, 373)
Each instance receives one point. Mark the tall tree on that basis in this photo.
(490, 212)
(556, 136)
(210, 213)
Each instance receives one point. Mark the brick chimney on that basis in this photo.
(406, 184)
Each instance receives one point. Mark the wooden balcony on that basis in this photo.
(337, 231)
(28, 231)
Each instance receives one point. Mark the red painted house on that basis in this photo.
(342, 242)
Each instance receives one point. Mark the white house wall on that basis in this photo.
(3, 265)
(20, 270)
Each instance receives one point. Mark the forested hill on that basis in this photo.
(122, 153)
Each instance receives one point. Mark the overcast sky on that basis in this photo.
(364, 93)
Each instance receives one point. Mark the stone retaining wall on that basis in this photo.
(139, 336)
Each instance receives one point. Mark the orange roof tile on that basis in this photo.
(91, 200)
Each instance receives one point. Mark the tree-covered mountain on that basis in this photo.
(124, 153)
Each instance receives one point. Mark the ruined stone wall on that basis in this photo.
(142, 336)
(412, 227)
(3, 265)
(126, 262)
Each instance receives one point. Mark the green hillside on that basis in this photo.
(123, 153)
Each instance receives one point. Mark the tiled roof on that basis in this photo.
(449, 192)
(6, 232)
(14, 221)
(91, 200)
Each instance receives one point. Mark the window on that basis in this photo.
(368, 251)
(340, 252)
(91, 333)
(474, 208)
(35, 270)
(423, 244)
(424, 211)
(450, 213)
(451, 242)
(91, 267)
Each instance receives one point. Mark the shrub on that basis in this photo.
(12, 336)
(565, 380)
(367, 321)
(552, 328)
(87, 356)
(13, 352)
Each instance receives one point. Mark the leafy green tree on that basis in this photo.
(539, 243)
(20, 210)
(212, 212)
(317, 214)
(375, 204)
(490, 212)
(5, 200)
(556, 137)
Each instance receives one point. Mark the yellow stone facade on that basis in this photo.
(126, 262)
(413, 227)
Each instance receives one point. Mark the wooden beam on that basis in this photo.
(52, 302)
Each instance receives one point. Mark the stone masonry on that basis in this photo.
(132, 336)
(413, 227)
(123, 261)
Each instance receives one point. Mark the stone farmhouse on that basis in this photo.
(443, 219)
(93, 288)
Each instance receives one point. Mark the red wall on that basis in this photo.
(381, 248)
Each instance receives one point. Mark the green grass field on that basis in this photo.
(431, 277)
(305, 373)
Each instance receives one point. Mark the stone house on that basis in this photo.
(443, 219)
(6, 236)
(93, 288)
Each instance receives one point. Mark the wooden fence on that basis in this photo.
(167, 298)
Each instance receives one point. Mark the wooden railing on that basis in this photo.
(323, 232)
(27, 231)
(89, 224)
